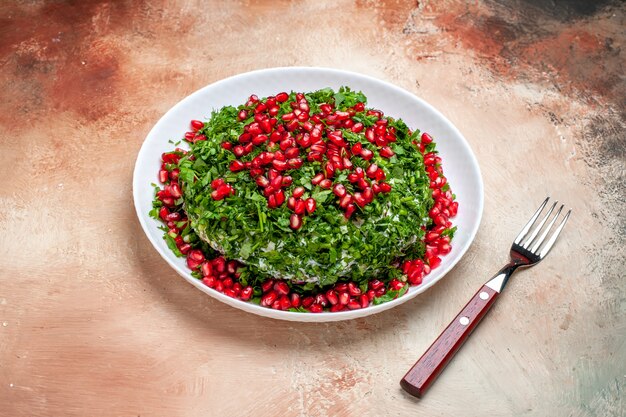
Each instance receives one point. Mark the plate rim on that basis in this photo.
(297, 316)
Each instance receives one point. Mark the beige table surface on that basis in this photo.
(94, 323)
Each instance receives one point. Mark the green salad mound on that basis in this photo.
(331, 242)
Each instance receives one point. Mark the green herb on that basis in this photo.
(390, 295)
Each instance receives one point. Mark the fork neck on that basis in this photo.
(499, 280)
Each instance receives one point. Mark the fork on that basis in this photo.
(527, 250)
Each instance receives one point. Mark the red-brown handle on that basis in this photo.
(425, 371)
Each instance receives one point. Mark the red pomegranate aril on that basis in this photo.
(350, 209)
(352, 177)
(269, 298)
(207, 269)
(295, 221)
(242, 115)
(286, 144)
(364, 300)
(292, 153)
(414, 277)
(317, 179)
(371, 171)
(295, 300)
(316, 308)
(287, 181)
(375, 284)
(209, 281)
(174, 174)
(266, 125)
(271, 201)
(267, 285)
(227, 282)
(196, 125)
(339, 190)
(285, 303)
(353, 290)
(299, 207)
(259, 139)
(279, 165)
(282, 97)
(237, 165)
(163, 213)
(431, 236)
(246, 293)
(307, 301)
(341, 287)
(280, 198)
(369, 134)
(298, 192)
(426, 139)
(277, 182)
(329, 169)
(321, 300)
(227, 145)
(239, 151)
(281, 288)
(173, 217)
(332, 297)
(371, 294)
(195, 258)
(311, 204)
(384, 187)
(261, 181)
(344, 298)
(440, 220)
(295, 163)
(444, 248)
(359, 200)
(367, 154)
(184, 248)
(357, 127)
(434, 262)
(190, 135)
(386, 152)
(368, 194)
(336, 308)
(291, 203)
(396, 284)
(163, 176)
(326, 184)
(357, 148)
(353, 305)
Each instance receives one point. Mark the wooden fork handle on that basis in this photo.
(427, 368)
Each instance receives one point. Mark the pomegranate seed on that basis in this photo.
(163, 213)
(259, 139)
(426, 139)
(316, 308)
(227, 145)
(345, 201)
(243, 115)
(267, 285)
(227, 283)
(271, 201)
(440, 220)
(237, 165)
(386, 152)
(349, 210)
(357, 127)
(285, 303)
(295, 163)
(396, 284)
(354, 305)
(280, 198)
(295, 222)
(239, 151)
(339, 190)
(207, 269)
(291, 203)
(269, 298)
(185, 248)
(357, 148)
(298, 192)
(365, 301)
(444, 248)
(163, 175)
(279, 165)
(195, 258)
(341, 287)
(347, 164)
(295, 300)
(307, 301)
(321, 300)
(246, 293)
(326, 184)
(353, 290)
(287, 181)
(367, 154)
(344, 298)
(359, 200)
(376, 284)
(371, 171)
(261, 181)
(196, 125)
(359, 106)
(317, 179)
(209, 281)
(352, 177)
(371, 294)
(434, 262)
(299, 207)
(311, 204)
(332, 298)
(277, 182)
(336, 308)
(281, 288)
(282, 97)
(384, 187)
(368, 194)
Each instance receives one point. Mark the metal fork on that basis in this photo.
(529, 247)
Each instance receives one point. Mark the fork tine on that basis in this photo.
(550, 243)
(528, 241)
(545, 232)
(526, 228)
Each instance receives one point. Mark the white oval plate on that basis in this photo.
(459, 163)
